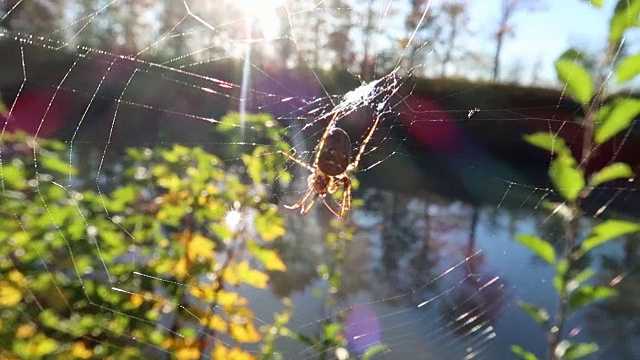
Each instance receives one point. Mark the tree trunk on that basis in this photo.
(450, 45)
(365, 68)
(496, 56)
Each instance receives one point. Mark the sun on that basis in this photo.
(264, 14)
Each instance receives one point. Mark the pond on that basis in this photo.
(438, 279)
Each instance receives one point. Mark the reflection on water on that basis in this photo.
(439, 280)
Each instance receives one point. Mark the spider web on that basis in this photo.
(432, 270)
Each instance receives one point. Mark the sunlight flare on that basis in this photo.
(233, 220)
(264, 13)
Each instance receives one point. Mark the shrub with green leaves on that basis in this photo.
(603, 120)
(153, 267)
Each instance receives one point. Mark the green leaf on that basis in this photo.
(566, 177)
(628, 68)
(270, 225)
(332, 330)
(558, 279)
(581, 277)
(611, 172)
(254, 168)
(526, 355)
(615, 117)
(123, 196)
(577, 79)
(42, 345)
(624, 16)
(596, 3)
(576, 351)
(549, 142)
(539, 246)
(374, 350)
(607, 231)
(539, 314)
(13, 176)
(53, 163)
(587, 294)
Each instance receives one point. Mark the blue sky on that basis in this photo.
(543, 34)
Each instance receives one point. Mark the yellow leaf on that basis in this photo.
(230, 299)
(230, 275)
(244, 332)
(9, 295)
(190, 353)
(270, 225)
(171, 182)
(217, 323)
(40, 346)
(167, 343)
(181, 268)
(250, 276)
(200, 247)
(239, 354)
(273, 262)
(205, 293)
(80, 351)
(136, 300)
(268, 257)
(211, 189)
(221, 352)
(17, 278)
(25, 331)
(162, 215)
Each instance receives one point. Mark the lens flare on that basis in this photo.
(264, 13)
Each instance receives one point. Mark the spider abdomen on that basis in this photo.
(336, 153)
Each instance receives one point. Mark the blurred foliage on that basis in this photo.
(154, 266)
(603, 121)
(256, 139)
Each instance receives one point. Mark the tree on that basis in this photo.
(508, 10)
(422, 30)
(366, 68)
(340, 43)
(307, 29)
(170, 25)
(38, 17)
(436, 29)
(339, 39)
(455, 21)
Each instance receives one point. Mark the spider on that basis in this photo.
(331, 168)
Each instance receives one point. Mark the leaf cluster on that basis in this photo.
(568, 177)
(159, 259)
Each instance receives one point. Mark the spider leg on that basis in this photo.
(346, 196)
(305, 209)
(340, 215)
(356, 160)
(299, 162)
(301, 201)
(320, 145)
